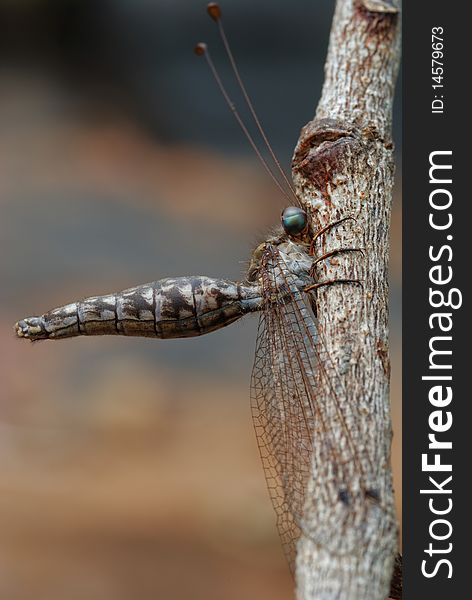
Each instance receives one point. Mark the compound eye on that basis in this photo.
(294, 220)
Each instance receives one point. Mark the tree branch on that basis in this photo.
(343, 165)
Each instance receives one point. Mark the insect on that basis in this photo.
(291, 362)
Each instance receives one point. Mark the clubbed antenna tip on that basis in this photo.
(200, 49)
(214, 10)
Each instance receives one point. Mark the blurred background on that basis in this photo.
(129, 467)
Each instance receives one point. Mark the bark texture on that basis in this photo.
(343, 165)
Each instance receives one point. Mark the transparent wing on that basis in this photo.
(294, 423)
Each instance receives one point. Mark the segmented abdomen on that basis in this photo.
(169, 308)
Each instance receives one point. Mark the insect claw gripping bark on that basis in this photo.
(318, 285)
(327, 228)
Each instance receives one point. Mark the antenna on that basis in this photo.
(214, 11)
(201, 49)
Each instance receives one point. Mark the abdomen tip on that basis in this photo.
(30, 328)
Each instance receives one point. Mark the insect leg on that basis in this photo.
(325, 229)
(337, 251)
(332, 253)
(315, 286)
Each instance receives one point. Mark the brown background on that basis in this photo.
(129, 468)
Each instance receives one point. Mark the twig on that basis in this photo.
(343, 165)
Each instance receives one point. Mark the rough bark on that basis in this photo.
(343, 165)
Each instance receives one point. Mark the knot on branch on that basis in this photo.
(380, 6)
(324, 147)
(380, 16)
